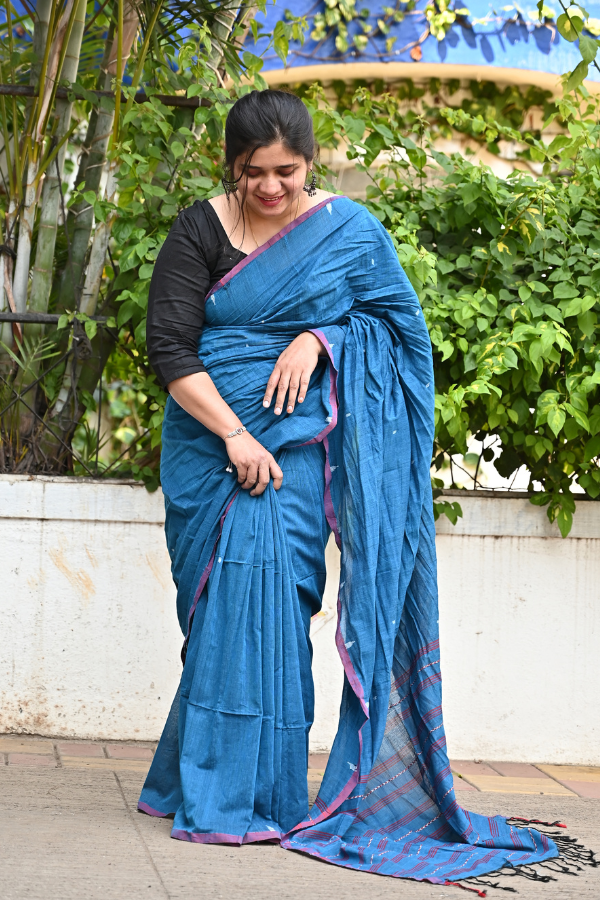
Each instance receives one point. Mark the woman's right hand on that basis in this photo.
(255, 465)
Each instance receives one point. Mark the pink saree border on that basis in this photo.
(143, 807)
(214, 837)
(208, 569)
(276, 237)
(349, 669)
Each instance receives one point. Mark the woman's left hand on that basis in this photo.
(292, 372)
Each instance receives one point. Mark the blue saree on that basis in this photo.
(231, 765)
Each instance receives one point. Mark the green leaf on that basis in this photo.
(153, 190)
(280, 42)
(579, 305)
(564, 520)
(255, 63)
(354, 127)
(556, 419)
(146, 270)
(580, 417)
(540, 499)
(177, 149)
(447, 350)
(592, 449)
(587, 322)
(564, 291)
(126, 311)
(569, 27)
(588, 47)
(559, 143)
(91, 328)
(576, 77)
(524, 292)
(452, 510)
(539, 287)
(444, 265)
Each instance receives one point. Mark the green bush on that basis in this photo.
(508, 273)
(507, 270)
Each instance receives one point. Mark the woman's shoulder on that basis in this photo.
(355, 211)
(200, 223)
(197, 214)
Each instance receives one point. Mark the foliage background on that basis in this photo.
(507, 270)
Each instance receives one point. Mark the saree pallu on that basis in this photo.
(232, 762)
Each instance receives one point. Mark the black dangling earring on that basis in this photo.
(311, 187)
(229, 186)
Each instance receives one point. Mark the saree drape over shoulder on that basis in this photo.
(232, 762)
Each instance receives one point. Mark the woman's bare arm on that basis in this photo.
(200, 398)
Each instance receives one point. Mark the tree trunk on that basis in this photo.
(43, 8)
(28, 214)
(26, 220)
(51, 205)
(81, 216)
(5, 328)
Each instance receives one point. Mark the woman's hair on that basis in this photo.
(262, 118)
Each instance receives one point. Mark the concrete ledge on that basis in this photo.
(79, 499)
(423, 71)
(506, 514)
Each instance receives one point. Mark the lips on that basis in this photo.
(270, 201)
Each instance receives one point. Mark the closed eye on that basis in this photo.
(284, 171)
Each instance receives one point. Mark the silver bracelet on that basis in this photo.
(234, 432)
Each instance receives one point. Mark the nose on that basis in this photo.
(270, 185)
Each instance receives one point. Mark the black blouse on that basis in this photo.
(196, 254)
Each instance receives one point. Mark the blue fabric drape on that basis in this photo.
(231, 764)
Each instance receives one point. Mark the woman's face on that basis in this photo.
(273, 181)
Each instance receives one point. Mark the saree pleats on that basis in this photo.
(231, 764)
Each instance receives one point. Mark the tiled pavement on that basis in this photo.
(497, 777)
(69, 830)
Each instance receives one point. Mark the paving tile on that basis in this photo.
(573, 773)
(517, 770)
(128, 751)
(18, 744)
(72, 748)
(501, 784)
(82, 762)
(30, 759)
(68, 835)
(584, 788)
(461, 785)
(468, 767)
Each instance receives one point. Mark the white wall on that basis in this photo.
(89, 642)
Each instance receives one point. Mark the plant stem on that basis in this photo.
(119, 71)
(139, 69)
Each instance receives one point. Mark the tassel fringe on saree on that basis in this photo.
(232, 761)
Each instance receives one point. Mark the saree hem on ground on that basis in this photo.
(356, 455)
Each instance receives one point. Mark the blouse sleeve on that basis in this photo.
(176, 303)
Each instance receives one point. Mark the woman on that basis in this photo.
(306, 407)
